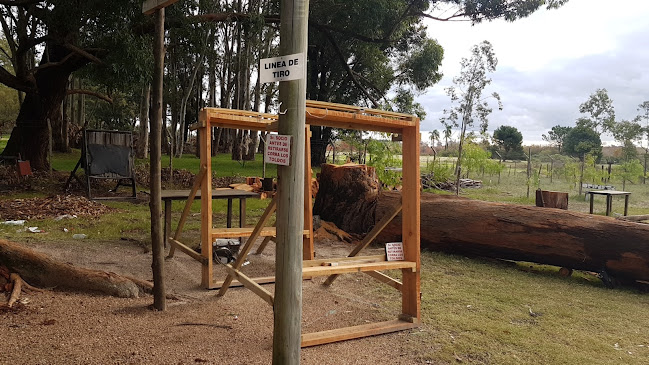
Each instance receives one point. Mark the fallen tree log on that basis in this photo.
(526, 233)
(40, 270)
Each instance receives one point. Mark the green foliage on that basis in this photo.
(556, 136)
(600, 114)
(630, 171)
(473, 157)
(385, 154)
(582, 140)
(510, 140)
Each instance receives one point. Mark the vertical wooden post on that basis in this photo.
(206, 194)
(410, 302)
(307, 245)
(290, 191)
(159, 293)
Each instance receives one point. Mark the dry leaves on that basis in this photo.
(50, 207)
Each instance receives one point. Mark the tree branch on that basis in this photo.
(83, 53)
(18, 2)
(103, 97)
(350, 72)
(15, 83)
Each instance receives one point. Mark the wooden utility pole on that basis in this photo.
(290, 186)
(155, 135)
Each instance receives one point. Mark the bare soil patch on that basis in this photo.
(58, 327)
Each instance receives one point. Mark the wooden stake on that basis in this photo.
(157, 242)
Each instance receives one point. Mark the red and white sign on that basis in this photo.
(278, 149)
(394, 251)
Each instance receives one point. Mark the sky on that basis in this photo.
(550, 63)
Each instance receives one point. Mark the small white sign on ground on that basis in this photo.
(283, 68)
(278, 149)
(394, 251)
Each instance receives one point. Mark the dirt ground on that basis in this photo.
(59, 327)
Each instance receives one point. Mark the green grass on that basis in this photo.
(3, 142)
(478, 312)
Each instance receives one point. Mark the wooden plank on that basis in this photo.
(356, 109)
(236, 283)
(243, 253)
(369, 237)
(411, 217)
(348, 333)
(250, 284)
(205, 135)
(236, 232)
(181, 246)
(343, 260)
(385, 279)
(241, 232)
(150, 6)
(307, 241)
(359, 267)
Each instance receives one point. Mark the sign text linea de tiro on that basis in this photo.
(283, 68)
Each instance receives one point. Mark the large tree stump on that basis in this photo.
(347, 196)
(40, 270)
(526, 233)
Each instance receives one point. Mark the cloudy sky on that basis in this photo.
(551, 62)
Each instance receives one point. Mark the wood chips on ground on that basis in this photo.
(50, 207)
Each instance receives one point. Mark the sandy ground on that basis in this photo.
(59, 327)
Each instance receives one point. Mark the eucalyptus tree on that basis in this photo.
(628, 133)
(600, 113)
(359, 50)
(467, 94)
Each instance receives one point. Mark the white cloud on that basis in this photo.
(552, 61)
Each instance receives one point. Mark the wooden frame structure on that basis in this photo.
(332, 115)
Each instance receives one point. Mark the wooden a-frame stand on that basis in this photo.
(332, 115)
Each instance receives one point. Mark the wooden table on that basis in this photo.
(609, 199)
(226, 193)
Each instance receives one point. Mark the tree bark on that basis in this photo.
(525, 233)
(347, 196)
(38, 269)
(143, 135)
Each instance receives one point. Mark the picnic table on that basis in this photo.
(220, 193)
(609, 199)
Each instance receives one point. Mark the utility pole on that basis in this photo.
(287, 307)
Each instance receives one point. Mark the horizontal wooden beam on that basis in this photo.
(359, 267)
(334, 261)
(348, 333)
(150, 6)
(236, 283)
(245, 232)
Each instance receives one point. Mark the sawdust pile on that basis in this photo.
(50, 207)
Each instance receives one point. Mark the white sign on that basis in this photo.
(278, 149)
(283, 68)
(394, 251)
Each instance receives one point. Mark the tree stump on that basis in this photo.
(347, 196)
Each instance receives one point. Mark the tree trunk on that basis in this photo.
(347, 196)
(30, 136)
(143, 135)
(38, 269)
(525, 233)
